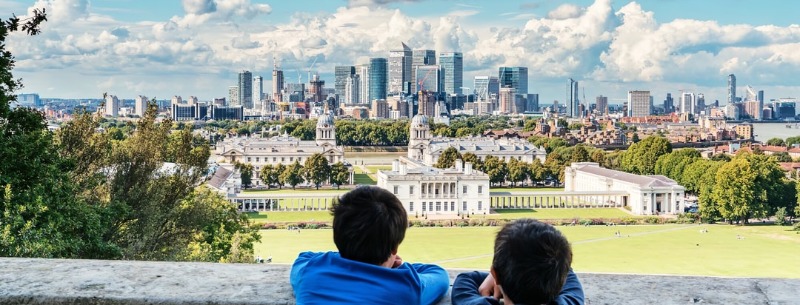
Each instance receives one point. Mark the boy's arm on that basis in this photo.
(298, 266)
(465, 290)
(434, 282)
(572, 292)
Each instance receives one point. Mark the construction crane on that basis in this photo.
(311, 67)
(421, 82)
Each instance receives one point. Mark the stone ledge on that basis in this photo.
(58, 281)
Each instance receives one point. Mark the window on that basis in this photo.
(396, 188)
(438, 206)
(274, 159)
(464, 206)
(283, 159)
(453, 206)
(445, 206)
(480, 205)
(430, 206)
(248, 159)
(480, 189)
(411, 190)
(257, 159)
(464, 189)
(291, 158)
(423, 206)
(411, 206)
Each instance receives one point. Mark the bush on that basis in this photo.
(780, 217)
(687, 218)
(268, 226)
(796, 226)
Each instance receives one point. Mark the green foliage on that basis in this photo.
(517, 171)
(792, 141)
(269, 175)
(246, 172)
(776, 142)
(751, 185)
(529, 125)
(781, 156)
(472, 158)
(496, 169)
(721, 157)
(448, 158)
(293, 174)
(316, 169)
(640, 158)
(675, 163)
(372, 133)
(339, 174)
(780, 217)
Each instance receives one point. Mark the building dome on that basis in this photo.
(325, 121)
(419, 121)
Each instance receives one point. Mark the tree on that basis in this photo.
(579, 153)
(781, 156)
(536, 171)
(269, 175)
(530, 125)
(246, 172)
(735, 193)
(790, 141)
(517, 171)
(674, 164)
(776, 142)
(339, 174)
(448, 158)
(316, 169)
(496, 169)
(279, 169)
(293, 174)
(472, 158)
(640, 158)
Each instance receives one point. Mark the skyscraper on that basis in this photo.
(532, 102)
(687, 102)
(341, 73)
(508, 97)
(669, 104)
(233, 96)
(277, 84)
(363, 73)
(421, 58)
(639, 103)
(731, 89)
(112, 105)
(400, 69)
(485, 86)
(514, 77)
(602, 105)
(572, 98)
(699, 103)
(452, 65)
(246, 89)
(352, 89)
(378, 78)
(258, 91)
(140, 105)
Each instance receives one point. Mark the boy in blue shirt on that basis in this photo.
(369, 223)
(531, 265)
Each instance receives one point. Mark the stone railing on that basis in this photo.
(57, 281)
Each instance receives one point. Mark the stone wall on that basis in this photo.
(57, 281)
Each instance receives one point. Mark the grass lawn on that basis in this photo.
(373, 169)
(308, 216)
(289, 190)
(362, 177)
(765, 251)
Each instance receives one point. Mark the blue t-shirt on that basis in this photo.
(327, 278)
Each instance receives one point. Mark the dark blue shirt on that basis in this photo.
(465, 290)
(327, 278)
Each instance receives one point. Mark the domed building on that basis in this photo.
(423, 147)
(282, 149)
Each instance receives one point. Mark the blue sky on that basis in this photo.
(196, 47)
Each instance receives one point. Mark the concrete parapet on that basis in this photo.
(58, 281)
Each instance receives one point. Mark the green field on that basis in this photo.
(289, 190)
(764, 251)
(526, 189)
(362, 177)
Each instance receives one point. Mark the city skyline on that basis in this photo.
(198, 47)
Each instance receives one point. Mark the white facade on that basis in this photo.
(352, 89)
(140, 105)
(282, 149)
(647, 195)
(427, 149)
(426, 190)
(112, 106)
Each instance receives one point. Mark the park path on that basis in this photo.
(466, 258)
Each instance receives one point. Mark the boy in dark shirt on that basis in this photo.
(369, 223)
(531, 266)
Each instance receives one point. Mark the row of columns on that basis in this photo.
(564, 201)
(284, 204)
(439, 190)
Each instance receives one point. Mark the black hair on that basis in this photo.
(368, 224)
(531, 261)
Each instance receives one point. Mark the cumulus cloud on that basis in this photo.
(355, 3)
(565, 11)
(62, 11)
(199, 7)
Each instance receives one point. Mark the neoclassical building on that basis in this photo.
(422, 146)
(282, 149)
(647, 195)
(426, 190)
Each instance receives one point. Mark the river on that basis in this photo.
(766, 131)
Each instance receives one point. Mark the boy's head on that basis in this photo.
(369, 223)
(531, 261)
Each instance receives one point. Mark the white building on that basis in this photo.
(112, 106)
(427, 149)
(647, 195)
(140, 105)
(426, 190)
(283, 149)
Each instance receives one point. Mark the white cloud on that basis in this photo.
(565, 11)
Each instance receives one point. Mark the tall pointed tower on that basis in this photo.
(419, 137)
